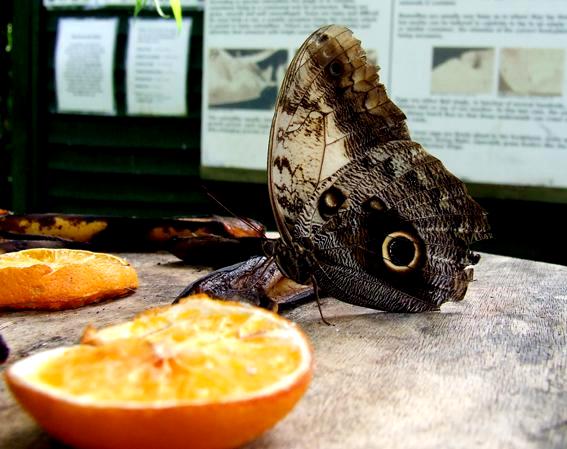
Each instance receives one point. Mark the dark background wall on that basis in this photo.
(150, 166)
(5, 99)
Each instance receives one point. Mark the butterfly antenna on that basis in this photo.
(244, 220)
(316, 291)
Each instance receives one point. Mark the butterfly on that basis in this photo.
(364, 212)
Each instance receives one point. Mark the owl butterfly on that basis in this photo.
(363, 211)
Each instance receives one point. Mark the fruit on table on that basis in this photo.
(198, 374)
(54, 279)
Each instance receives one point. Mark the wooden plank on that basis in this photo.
(524, 193)
(123, 208)
(122, 187)
(116, 160)
(230, 174)
(181, 133)
(488, 372)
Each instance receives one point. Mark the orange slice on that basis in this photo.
(201, 374)
(62, 278)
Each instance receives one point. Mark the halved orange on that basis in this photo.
(201, 374)
(54, 279)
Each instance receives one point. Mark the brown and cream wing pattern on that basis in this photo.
(331, 108)
(391, 230)
(364, 212)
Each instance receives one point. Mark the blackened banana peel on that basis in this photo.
(257, 281)
(211, 240)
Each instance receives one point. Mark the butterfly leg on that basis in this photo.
(316, 292)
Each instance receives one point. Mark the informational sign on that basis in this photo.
(483, 84)
(156, 67)
(53, 4)
(84, 63)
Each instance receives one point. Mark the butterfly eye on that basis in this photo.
(330, 202)
(401, 252)
(335, 68)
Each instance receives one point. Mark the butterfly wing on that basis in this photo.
(375, 218)
(331, 108)
(391, 230)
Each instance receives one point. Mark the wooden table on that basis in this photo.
(487, 372)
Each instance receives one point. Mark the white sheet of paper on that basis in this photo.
(84, 63)
(52, 4)
(483, 84)
(156, 67)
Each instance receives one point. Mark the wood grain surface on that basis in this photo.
(489, 372)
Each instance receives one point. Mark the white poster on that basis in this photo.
(84, 65)
(484, 87)
(92, 4)
(156, 67)
(483, 84)
(247, 49)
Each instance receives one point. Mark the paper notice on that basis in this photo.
(483, 84)
(84, 58)
(156, 67)
(91, 4)
(248, 46)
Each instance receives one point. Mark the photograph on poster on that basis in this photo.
(245, 79)
(457, 70)
(531, 72)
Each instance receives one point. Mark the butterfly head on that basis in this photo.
(294, 260)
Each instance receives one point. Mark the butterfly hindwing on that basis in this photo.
(375, 248)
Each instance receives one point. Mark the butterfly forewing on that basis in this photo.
(330, 109)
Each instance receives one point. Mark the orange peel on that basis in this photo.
(55, 279)
(203, 374)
